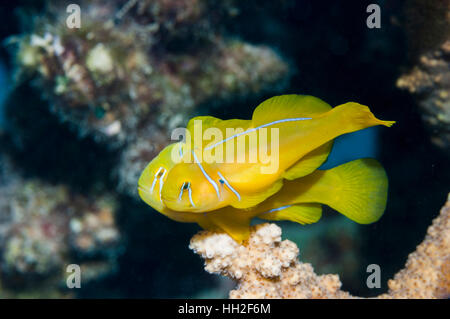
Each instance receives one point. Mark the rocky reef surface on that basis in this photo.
(136, 70)
(428, 79)
(44, 228)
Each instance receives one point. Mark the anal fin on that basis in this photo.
(299, 213)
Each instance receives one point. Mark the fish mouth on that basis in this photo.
(166, 199)
(143, 188)
(169, 200)
(184, 208)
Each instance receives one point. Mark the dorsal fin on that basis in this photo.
(207, 121)
(288, 106)
(216, 123)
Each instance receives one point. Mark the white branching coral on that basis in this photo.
(267, 267)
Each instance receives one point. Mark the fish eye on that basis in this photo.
(186, 185)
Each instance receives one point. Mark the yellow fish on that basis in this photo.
(357, 189)
(187, 183)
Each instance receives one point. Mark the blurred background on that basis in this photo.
(83, 110)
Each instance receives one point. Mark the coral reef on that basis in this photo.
(267, 267)
(112, 89)
(429, 81)
(428, 26)
(138, 69)
(44, 228)
(427, 270)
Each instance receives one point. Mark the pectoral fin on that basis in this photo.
(251, 200)
(309, 163)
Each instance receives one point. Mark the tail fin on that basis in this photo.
(357, 189)
(362, 196)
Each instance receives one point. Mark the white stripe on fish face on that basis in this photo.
(190, 195)
(160, 177)
(155, 178)
(224, 181)
(257, 128)
(186, 185)
(207, 176)
(161, 182)
(181, 192)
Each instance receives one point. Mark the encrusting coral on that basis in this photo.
(119, 71)
(429, 81)
(44, 228)
(428, 29)
(136, 70)
(268, 267)
(131, 73)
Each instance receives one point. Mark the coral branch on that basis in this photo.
(267, 267)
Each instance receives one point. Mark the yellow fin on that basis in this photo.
(356, 117)
(204, 222)
(309, 163)
(311, 124)
(248, 201)
(299, 213)
(357, 189)
(234, 222)
(362, 196)
(207, 121)
(210, 122)
(288, 106)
